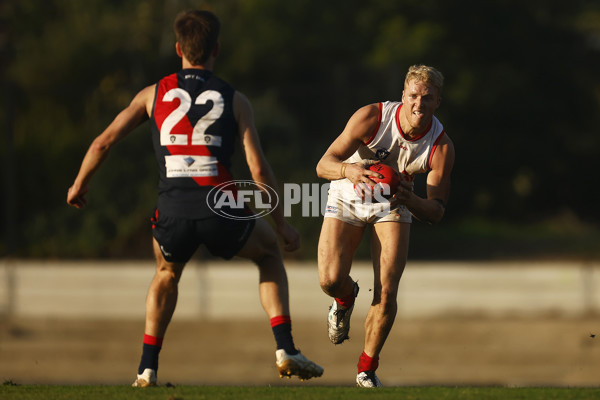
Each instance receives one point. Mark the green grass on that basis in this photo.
(25, 392)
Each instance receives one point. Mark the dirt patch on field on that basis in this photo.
(460, 351)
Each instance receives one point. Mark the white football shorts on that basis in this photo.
(350, 208)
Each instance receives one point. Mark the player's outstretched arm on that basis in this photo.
(127, 120)
(260, 168)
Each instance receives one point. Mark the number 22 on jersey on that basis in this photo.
(199, 136)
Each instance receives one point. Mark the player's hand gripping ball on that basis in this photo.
(385, 187)
(391, 177)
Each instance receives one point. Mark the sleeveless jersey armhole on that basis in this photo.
(434, 148)
(154, 101)
(380, 106)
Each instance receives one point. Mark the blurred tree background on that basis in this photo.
(521, 103)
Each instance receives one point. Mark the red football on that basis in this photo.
(391, 177)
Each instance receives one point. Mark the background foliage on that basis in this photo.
(521, 103)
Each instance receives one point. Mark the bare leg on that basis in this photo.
(162, 294)
(262, 248)
(389, 250)
(337, 244)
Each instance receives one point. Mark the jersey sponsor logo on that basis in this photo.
(230, 199)
(184, 166)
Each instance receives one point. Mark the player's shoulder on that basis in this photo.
(368, 112)
(146, 95)
(242, 108)
(377, 112)
(444, 153)
(240, 96)
(445, 140)
(390, 104)
(241, 101)
(364, 122)
(150, 89)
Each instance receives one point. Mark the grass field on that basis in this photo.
(546, 355)
(26, 392)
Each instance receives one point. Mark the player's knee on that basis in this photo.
(330, 286)
(168, 274)
(270, 266)
(266, 256)
(262, 248)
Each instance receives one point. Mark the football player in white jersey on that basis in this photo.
(407, 136)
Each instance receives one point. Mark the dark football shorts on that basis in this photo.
(179, 238)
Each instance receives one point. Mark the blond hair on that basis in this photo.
(428, 75)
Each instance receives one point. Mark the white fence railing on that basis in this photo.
(116, 289)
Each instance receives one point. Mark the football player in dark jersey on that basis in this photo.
(195, 117)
